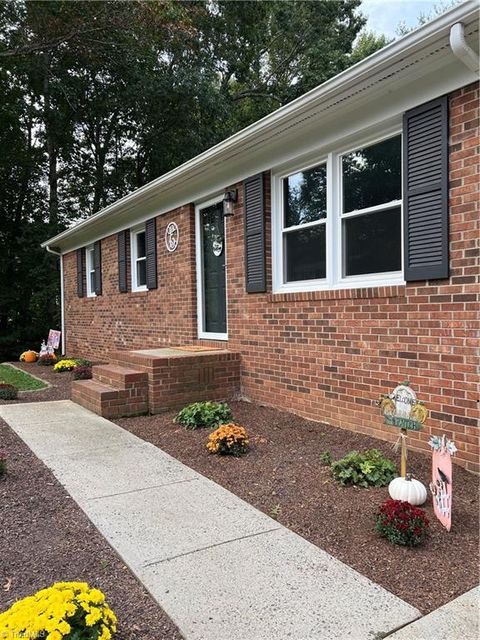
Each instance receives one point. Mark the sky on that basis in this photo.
(385, 15)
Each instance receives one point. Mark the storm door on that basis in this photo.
(212, 251)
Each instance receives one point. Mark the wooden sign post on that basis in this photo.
(402, 409)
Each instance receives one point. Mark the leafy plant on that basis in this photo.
(275, 511)
(3, 463)
(82, 372)
(228, 439)
(364, 469)
(70, 610)
(402, 523)
(326, 458)
(8, 391)
(204, 414)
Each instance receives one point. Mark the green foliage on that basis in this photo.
(204, 414)
(8, 391)
(401, 523)
(275, 511)
(364, 469)
(326, 458)
(20, 379)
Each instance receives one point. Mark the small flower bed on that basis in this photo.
(82, 372)
(401, 523)
(65, 610)
(3, 463)
(47, 361)
(228, 439)
(65, 365)
(8, 391)
(204, 414)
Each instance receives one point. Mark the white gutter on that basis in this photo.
(62, 295)
(377, 62)
(461, 49)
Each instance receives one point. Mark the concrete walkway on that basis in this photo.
(456, 620)
(219, 568)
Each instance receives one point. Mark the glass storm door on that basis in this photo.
(212, 231)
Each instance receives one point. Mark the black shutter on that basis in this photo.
(255, 272)
(80, 272)
(425, 190)
(122, 239)
(151, 253)
(97, 265)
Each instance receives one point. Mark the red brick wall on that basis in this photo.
(325, 355)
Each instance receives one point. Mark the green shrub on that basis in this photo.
(8, 391)
(326, 458)
(402, 523)
(204, 414)
(364, 469)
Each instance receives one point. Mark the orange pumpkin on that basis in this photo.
(30, 356)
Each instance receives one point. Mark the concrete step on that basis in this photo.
(108, 401)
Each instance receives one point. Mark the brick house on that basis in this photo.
(350, 263)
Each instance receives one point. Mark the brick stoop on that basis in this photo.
(113, 391)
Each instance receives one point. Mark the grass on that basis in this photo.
(23, 381)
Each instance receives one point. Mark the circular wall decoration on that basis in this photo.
(172, 236)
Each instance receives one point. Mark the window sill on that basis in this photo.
(139, 290)
(374, 291)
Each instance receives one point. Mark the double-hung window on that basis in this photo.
(304, 224)
(371, 209)
(337, 223)
(90, 270)
(139, 259)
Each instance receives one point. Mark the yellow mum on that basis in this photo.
(65, 365)
(50, 613)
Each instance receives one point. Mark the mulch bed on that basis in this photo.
(45, 537)
(283, 473)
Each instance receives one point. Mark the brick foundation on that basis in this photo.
(325, 355)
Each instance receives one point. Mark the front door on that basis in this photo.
(212, 239)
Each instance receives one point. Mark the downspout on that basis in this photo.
(62, 299)
(461, 49)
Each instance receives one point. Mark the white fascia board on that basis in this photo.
(225, 159)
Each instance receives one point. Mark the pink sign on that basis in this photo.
(441, 485)
(54, 338)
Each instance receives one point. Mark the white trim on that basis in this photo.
(201, 334)
(334, 238)
(134, 257)
(89, 269)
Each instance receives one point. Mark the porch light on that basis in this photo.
(229, 200)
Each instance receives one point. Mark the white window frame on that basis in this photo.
(201, 333)
(89, 269)
(134, 257)
(334, 260)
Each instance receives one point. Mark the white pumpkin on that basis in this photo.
(408, 490)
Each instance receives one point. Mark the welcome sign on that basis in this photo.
(402, 409)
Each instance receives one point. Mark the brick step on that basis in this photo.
(108, 401)
(120, 377)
